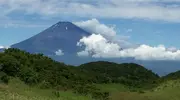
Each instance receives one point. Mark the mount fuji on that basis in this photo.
(62, 36)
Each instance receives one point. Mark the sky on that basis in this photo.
(137, 24)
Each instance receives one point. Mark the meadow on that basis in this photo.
(17, 90)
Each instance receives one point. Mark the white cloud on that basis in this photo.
(129, 30)
(4, 47)
(166, 10)
(94, 26)
(1, 47)
(173, 49)
(22, 25)
(145, 52)
(59, 52)
(109, 32)
(99, 47)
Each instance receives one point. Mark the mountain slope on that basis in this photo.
(61, 36)
(1, 50)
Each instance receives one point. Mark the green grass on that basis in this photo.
(113, 88)
(169, 90)
(17, 90)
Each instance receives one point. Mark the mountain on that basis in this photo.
(61, 36)
(1, 49)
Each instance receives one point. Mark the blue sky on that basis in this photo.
(151, 22)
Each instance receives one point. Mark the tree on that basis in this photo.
(9, 65)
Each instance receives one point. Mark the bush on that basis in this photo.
(56, 93)
(5, 79)
(140, 91)
(29, 76)
(99, 95)
(45, 85)
(10, 65)
(92, 90)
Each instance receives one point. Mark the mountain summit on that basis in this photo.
(63, 36)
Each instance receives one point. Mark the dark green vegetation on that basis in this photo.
(95, 80)
(128, 73)
(172, 76)
(36, 69)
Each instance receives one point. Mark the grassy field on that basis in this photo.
(17, 90)
(166, 91)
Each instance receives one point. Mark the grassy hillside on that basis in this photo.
(17, 90)
(169, 90)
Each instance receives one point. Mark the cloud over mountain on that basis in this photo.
(105, 42)
(108, 31)
(99, 47)
(94, 26)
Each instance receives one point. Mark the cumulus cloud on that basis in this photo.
(94, 26)
(109, 32)
(145, 52)
(59, 52)
(173, 49)
(99, 47)
(166, 10)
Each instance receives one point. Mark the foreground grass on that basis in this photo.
(169, 90)
(17, 90)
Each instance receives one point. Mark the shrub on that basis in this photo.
(5, 79)
(99, 95)
(140, 91)
(56, 93)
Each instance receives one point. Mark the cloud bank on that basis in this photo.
(165, 10)
(99, 47)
